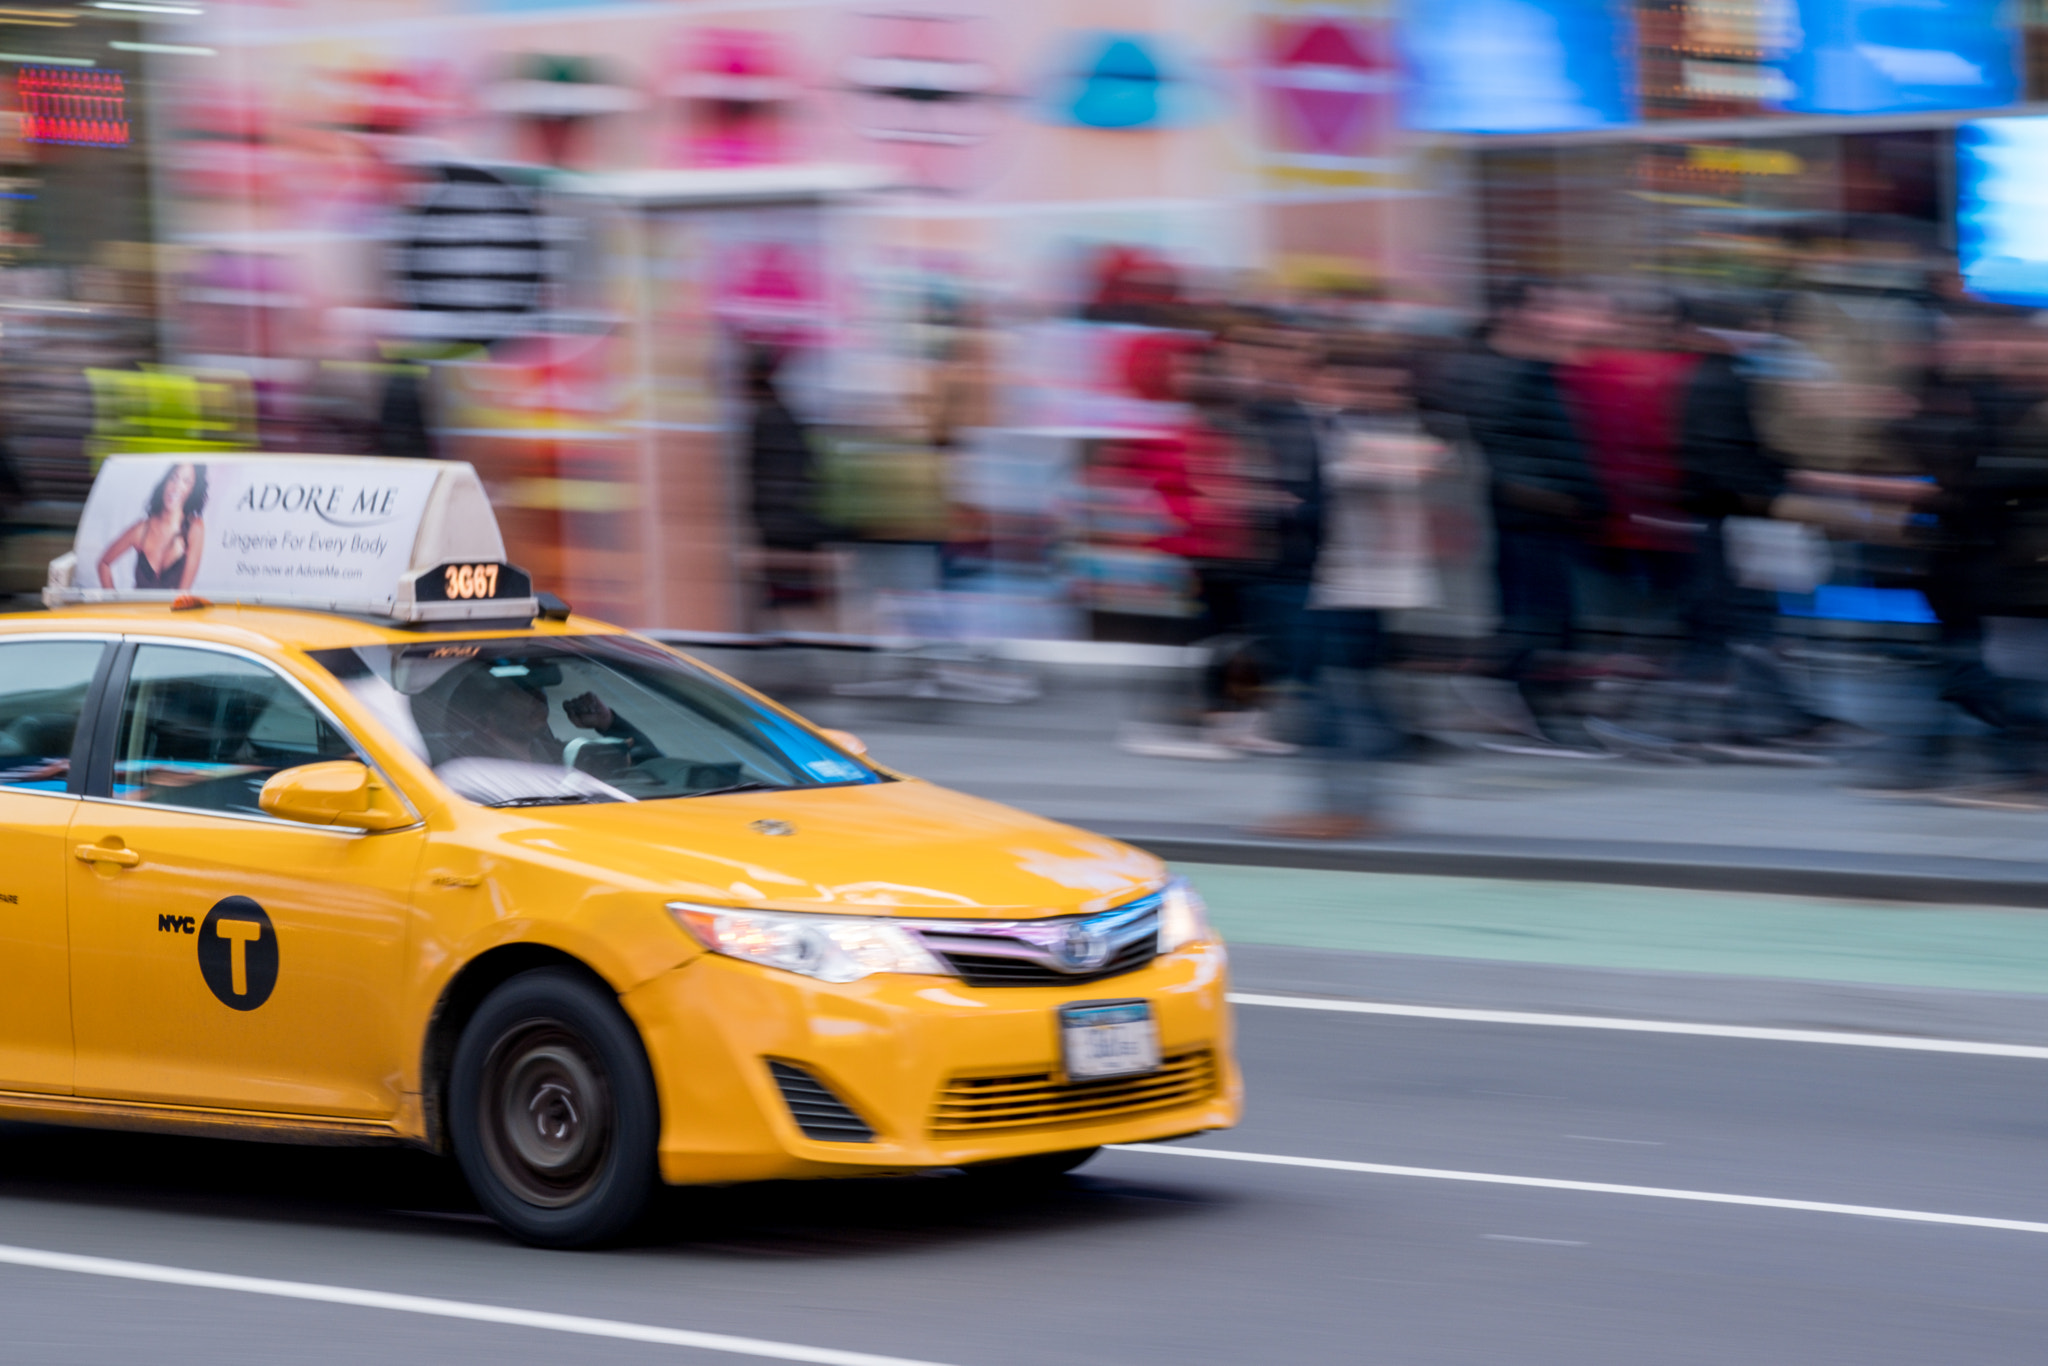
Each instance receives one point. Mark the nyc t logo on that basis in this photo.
(238, 953)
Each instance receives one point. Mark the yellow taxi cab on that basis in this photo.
(322, 825)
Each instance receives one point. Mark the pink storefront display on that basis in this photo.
(546, 235)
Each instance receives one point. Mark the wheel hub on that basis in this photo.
(546, 1115)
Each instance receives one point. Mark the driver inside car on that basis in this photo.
(507, 718)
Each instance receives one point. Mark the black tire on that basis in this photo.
(552, 1109)
(1035, 1170)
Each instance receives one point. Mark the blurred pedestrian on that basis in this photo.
(1215, 502)
(1546, 501)
(1135, 586)
(1982, 438)
(1857, 323)
(1732, 479)
(1628, 395)
(1206, 495)
(1375, 556)
(784, 497)
(1285, 461)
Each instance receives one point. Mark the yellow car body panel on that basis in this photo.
(35, 1010)
(147, 1025)
(374, 929)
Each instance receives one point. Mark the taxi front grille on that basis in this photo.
(989, 970)
(1055, 952)
(820, 1113)
(1030, 1100)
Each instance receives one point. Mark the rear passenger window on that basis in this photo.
(42, 692)
(207, 730)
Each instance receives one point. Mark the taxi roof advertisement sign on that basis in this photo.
(332, 532)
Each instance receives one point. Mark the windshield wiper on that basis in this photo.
(559, 799)
(751, 785)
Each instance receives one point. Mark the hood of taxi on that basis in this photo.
(902, 847)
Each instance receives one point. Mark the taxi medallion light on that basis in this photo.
(1183, 917)
(831, 948)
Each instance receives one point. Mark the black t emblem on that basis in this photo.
(238, 953)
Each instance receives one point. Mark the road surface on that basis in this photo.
(1154, 1256)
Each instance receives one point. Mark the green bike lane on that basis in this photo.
(1581, 925)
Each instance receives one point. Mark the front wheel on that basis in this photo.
(552, 1110)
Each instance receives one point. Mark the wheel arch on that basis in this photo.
(458, 1003)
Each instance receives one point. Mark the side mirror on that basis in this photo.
(339, 792)
(847, 741)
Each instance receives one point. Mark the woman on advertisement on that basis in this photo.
(169, 538)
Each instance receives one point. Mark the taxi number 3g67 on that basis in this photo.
(1109, 1040)
(471, 581)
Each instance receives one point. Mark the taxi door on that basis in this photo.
(44, 686)
(221, 957)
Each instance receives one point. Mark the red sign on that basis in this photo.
(1330, 84)
(62, 104)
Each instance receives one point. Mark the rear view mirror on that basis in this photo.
(339, 792)
(847, 741)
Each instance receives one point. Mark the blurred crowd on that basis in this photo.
(1680, 523)
(1654, 504)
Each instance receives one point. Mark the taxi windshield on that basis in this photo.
(563, 720)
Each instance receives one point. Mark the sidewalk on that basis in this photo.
(1731, 827)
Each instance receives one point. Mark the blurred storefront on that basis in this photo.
(1758, 129)
(555, 237)
(549, 237)
(1707, 207)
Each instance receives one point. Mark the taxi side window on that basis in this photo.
(207, 730)
(42, 691)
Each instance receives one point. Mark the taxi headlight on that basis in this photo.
(831, 948)
(1183, 918)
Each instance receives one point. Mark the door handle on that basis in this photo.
(100, 853)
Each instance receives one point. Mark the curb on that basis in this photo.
(1839, 874)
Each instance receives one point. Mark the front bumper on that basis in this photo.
(891, 1045)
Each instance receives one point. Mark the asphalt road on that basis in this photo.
(1151, 1257)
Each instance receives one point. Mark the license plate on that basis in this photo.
(1109, 1039)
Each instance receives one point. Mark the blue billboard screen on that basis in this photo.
(1517, 66)
(1885, 56)
(2002, 209)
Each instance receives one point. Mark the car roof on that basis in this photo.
(257, 627)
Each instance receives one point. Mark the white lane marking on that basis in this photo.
(1519, 1017)
(1634, 1142)
(1518, 1238)
(1593, 1187)
(445, 1309)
